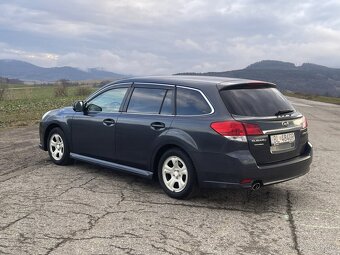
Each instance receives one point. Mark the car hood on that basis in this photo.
(58, 112)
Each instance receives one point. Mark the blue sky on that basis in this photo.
(163, 37)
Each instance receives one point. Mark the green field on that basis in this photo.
(23, 106)
(331, 100)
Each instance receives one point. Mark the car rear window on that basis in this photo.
(257, 102)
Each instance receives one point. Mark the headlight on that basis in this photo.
(45, 114)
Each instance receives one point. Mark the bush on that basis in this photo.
(60, 90)
(3, 90)
(83, 91)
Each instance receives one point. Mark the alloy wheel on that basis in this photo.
(56, 147)
(175, 174)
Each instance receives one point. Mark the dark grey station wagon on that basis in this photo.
(185, 131)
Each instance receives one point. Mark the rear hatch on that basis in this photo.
(284, 133)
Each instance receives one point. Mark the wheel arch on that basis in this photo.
(48, 131)
(161, 150)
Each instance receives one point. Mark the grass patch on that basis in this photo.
(25, 105)
(324, 99)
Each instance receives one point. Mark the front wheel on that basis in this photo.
(176, 174)
(58, 148)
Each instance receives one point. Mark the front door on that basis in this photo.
(93, 131)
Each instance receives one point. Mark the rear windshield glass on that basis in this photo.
(255, 102)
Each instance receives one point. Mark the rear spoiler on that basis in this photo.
(248, 85)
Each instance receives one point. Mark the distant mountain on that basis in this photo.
(15, 69)
(307, 78)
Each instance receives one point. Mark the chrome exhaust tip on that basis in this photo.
(256, 186)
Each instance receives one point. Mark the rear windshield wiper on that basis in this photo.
(281, 112)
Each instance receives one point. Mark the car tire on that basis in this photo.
(58, 147)
(177, 175)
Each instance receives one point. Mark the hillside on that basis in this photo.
(307, 78)
(15, 69)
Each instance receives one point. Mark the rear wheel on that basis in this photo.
(58, 147)
(176, 174)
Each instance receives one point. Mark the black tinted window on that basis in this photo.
(108, 101)
(191, 102)
(146, 100)
(255, 102)
(167, 107)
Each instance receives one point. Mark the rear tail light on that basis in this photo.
(252, 129)
(236, 131)
(304, 122)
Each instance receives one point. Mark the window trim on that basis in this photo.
(203, 95)
(107, 87)
(174, 96)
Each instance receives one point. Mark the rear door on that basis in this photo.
(284, 136)
(147, 115)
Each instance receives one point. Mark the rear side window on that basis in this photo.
(257, 102)
(146, 100)
(191, 102)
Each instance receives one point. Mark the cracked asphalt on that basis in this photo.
(85, 209)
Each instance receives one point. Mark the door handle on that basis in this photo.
(108, 122)
(157, 125)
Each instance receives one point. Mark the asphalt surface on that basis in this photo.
(84, 209)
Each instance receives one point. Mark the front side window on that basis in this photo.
(146, 100)
(108, 101)
(191, 102)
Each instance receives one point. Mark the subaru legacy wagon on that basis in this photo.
(184, 131)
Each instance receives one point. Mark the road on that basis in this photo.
(85, 209)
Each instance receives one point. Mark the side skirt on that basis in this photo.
(114, 166)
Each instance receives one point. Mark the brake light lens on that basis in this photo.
(229, 128)
(304, 122)
(235, 130)
(252, 129)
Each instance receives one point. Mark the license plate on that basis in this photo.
(282, 138)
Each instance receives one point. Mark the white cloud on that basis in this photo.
(161, 37)
(133, 62)
(46, 59)
(187, 44)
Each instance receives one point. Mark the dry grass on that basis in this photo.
(3, 91)
(61, 90)
(25, 105)
(324, 99)
(83, 90)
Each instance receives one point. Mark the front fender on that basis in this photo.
(61, 119)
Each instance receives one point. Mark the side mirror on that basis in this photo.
(79, 106)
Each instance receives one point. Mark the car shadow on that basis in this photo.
(274, 198)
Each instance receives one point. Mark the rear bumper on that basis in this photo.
(245, 167)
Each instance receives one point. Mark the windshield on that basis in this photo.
(258, 102)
